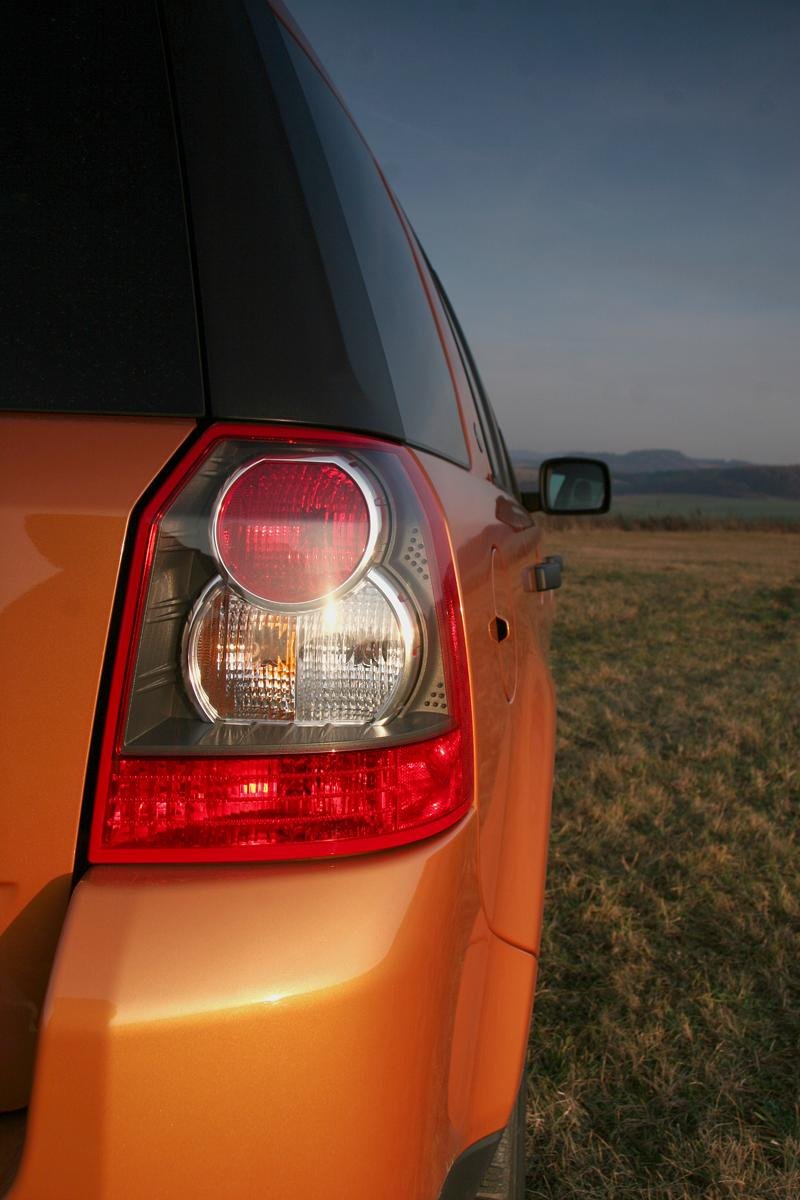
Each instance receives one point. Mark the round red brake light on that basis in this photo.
(292, 531)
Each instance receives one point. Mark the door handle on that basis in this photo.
(543, 576)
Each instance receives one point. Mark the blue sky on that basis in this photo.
(610, 192)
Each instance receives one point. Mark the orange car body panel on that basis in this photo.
(494, 539)
(512, 697)
(68, 487)
(275, 1030)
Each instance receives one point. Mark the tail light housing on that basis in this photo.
(290, 679)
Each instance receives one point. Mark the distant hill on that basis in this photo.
(636, 461)
(744, 483)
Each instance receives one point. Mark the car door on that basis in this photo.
(515, 708)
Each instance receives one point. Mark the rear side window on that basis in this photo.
(420, 377)
(96, 301)
(502, 470)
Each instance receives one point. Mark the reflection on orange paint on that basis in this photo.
(68, 487)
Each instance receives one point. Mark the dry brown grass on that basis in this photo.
(666, 1041)
(750, 520)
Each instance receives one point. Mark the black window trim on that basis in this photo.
(499, 459)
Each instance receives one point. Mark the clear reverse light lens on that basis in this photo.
(355, 655)
(342, 664)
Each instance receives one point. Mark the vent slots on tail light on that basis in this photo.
(291, 610)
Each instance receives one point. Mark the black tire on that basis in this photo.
(505, 1178)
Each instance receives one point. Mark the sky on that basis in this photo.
(610, 192)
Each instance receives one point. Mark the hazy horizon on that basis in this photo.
(611, 195)
(552, 451)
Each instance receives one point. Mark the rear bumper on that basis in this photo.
(342, 1028)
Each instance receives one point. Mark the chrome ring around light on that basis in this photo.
(190, 669)
(379, 524)
(407, 618)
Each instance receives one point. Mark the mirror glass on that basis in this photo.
(575, 485)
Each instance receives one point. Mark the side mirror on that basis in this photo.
(571, 487)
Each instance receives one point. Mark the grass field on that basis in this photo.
(665, 1056)
(658, 504)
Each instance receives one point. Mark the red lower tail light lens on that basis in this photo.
(300, 806)
(251, 718)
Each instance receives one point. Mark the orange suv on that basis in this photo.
(278, 724)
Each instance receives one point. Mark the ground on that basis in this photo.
(665, 1052)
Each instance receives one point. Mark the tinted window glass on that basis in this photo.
(96, 306)
(411, 344)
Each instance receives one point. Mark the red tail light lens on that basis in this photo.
(286, 806)
(293, 531)
(291, 679)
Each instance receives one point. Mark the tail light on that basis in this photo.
(291, 679)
